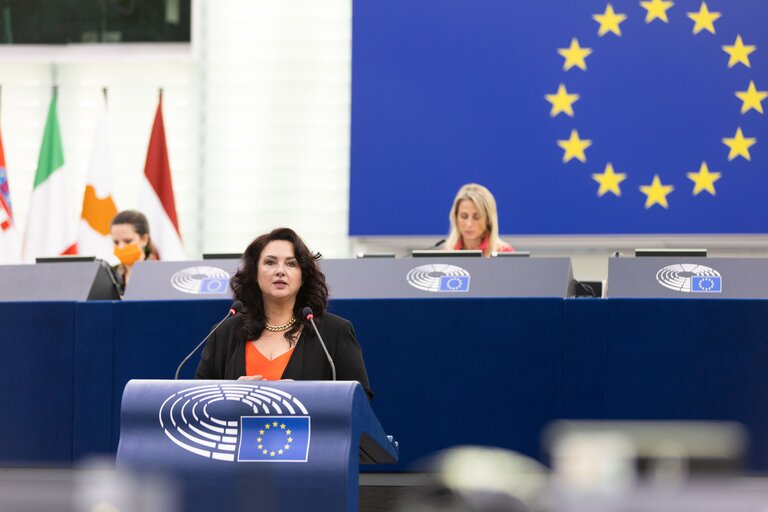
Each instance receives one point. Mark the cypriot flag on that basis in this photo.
(93, 238)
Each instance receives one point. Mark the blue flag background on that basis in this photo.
(446, 92)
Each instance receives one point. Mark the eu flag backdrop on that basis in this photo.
(582, 117)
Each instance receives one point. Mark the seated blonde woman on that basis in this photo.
(474, 222)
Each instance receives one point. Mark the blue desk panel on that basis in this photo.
(93, 385)
(476, 371)
(486, 371)
(36, 393)
(690, 359)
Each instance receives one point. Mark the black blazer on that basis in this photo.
(223, 357)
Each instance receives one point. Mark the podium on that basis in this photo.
(288, 446)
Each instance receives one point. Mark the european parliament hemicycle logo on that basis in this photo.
(439, 278)
(690, 278)
(237, 423)
(201, 280)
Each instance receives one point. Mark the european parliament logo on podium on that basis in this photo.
(237, 423)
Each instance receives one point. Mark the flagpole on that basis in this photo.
(55, 79)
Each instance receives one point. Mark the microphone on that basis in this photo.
(438, 244)
(233, 310)
(309, 315)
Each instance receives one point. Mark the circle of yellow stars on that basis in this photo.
(274, 426)
(575, 56)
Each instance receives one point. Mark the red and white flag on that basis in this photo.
(156, 195)
(93, 237)
(10, 252)
(51, 225)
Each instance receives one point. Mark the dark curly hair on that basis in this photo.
(245, 287)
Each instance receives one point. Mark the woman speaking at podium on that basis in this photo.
(474, 222)
(271, 338)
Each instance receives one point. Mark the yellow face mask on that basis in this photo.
(129, 254)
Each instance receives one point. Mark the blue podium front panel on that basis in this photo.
(302, 437)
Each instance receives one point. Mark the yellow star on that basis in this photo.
(280, 452)
(739, 145)
(574, 55)
(264, 451)
(261, 432)
(260, 446)
(271, 454)
(266, 426)
(751, 98)
(288, 432)
(562, 101)
(574, 147)
(657, 10)
(258, 439)
(290, 439)
(704, 19)
(609, 21)
(656, 193)
(739, 52)
(287, 446)
(274, 424)
(282, 426)
(703, 180)
(609, 181)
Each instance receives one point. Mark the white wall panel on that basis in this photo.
(276, 81)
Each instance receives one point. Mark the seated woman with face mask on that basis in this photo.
(130, 233)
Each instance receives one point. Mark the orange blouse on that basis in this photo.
(257, 363)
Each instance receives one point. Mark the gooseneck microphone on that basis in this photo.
(309, 315)
(233, 310)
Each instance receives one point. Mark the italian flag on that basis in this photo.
(51, 225)
(93, 237)
(156, 194)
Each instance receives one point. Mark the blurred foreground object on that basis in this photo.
(610, 456)
(93, 488)
(478, 478)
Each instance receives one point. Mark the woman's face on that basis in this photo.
(279, 272)
(124, 235)
(470, 221)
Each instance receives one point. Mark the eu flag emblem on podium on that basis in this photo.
(706, 284)
(274, 439)
(454, 283)
(214, 285)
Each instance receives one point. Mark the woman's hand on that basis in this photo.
(250, 377)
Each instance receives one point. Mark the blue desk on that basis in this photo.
(486, 371)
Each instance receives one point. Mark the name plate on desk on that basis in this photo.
(688, 278)
(371, 278)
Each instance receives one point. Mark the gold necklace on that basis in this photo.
(280, 328)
